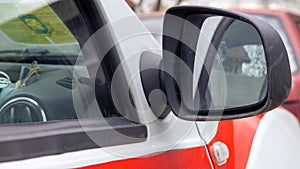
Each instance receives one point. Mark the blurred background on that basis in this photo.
(145, 6)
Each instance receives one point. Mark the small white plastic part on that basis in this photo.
(221, 152)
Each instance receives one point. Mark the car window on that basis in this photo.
(277, 24)
(40, 47)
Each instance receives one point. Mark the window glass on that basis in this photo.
(40, 42)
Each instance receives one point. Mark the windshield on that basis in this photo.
(277, 24)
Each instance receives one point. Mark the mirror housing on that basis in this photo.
(278, 77)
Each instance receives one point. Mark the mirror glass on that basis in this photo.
(227, 61)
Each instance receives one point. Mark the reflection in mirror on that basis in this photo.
(229, 67)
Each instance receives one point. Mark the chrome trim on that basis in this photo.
(26, 99)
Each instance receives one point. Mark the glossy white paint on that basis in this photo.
(276, 143)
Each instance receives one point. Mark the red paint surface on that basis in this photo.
(238, 136)
(193, 158)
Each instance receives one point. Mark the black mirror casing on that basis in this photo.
(278, 70)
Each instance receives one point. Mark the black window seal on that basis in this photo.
(24, 141)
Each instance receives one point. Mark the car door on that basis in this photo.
(71, 96)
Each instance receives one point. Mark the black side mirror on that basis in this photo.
(221, 65)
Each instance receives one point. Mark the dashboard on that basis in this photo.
(44, 94)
